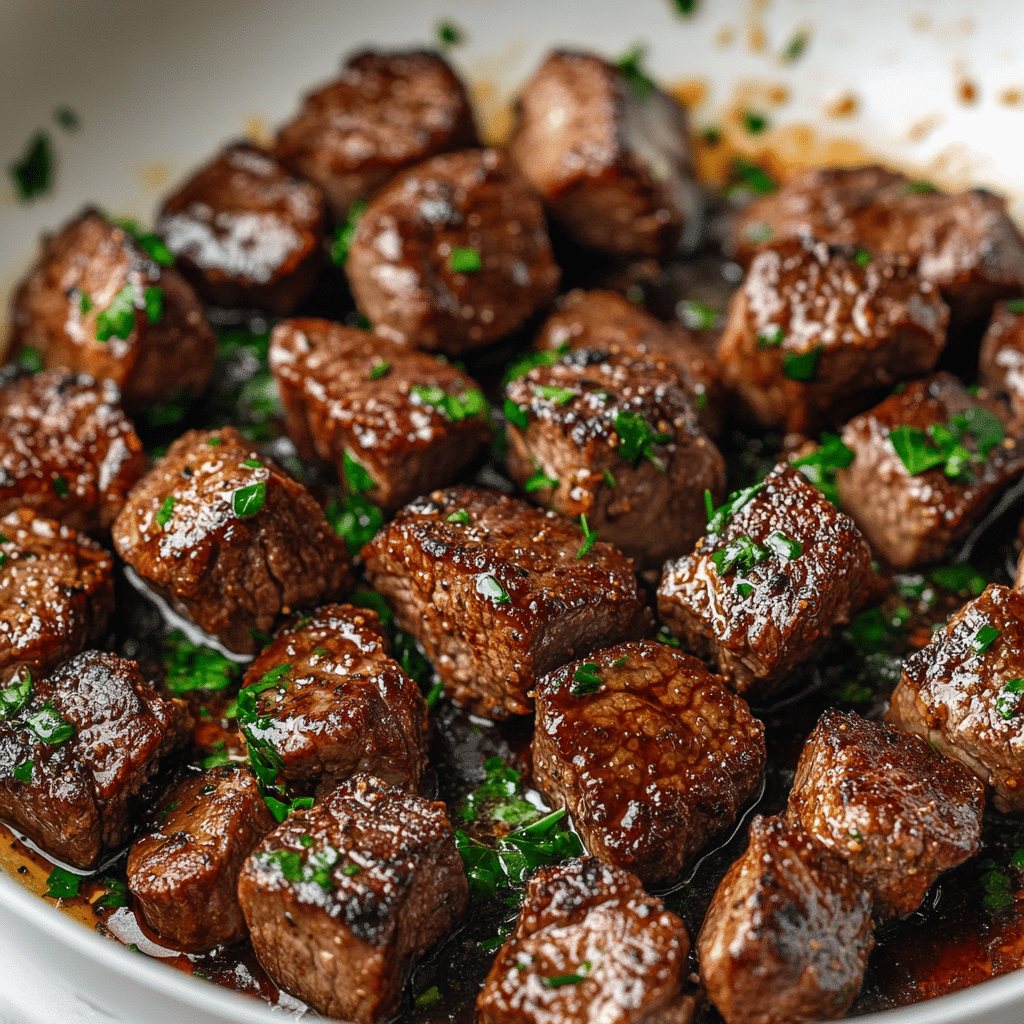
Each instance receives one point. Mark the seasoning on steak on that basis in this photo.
(787, 936)
(609, 154)
(896, 811)
(778, 570)
(650, 753)
(913, 513)
(76, 747)
(99, 303)
(341, 899)
(229, 539)
(184, 874)
(452, 254)
(1001, 365)
(411, 421)
(245, 232)
(67, 450)
(589, 947)
(386, 112)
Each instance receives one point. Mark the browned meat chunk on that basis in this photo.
(1001, 366)
(787, 936)
(589, 947)
(896, 811)
(610, 156)
(499, 593)
(816, 334)
(779, 569)
(616, 439)
(229, 539)
(67, 451)
(76, 748)
(911, 500)
(453, 254)
(246, 233)
(97, 302)
(386, 112)
(962, 693)
(341, 899)
(411, 421)
(184, 875)
(56, 593)
(650, 753)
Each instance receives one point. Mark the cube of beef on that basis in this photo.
(615, 438)
(650, 753)
(962, 693)
(341, 899)
(67, 450)
(76, 747)
(609, 154)
(1001, 365)
(184, 874)
(411, 421)
(56, 593)
(452, 254)
(896, 811)
(816, 334)
(499, 593)
(589, 947)
(340, 705)
(98, 302)
(788, 933)
(911, 498)
(778, 570)
(229, 539)
(245, 232)
(386, 112)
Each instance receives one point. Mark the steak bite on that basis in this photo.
(778, 570)
(927, 464)
(589, 947)
(650, 753)
(184, 874)
(411, 421)
(386, 112)
(341, 899)
(500, 593)
(76, 748)
(245, 232)
(787, 936)
(67, 450)
(610, 155)
(97, 302)
(896, 811)
(1001, 365)
(229, 539)
(452, 254)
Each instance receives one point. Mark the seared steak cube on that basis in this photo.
(1001, 365)
(896, 811)
(452, 254)
(341, 899)
(788, 933)
(615, 438)
(386, 112)
(650, 753)
(500, 593)
(232, 541)
(98, 302)
(610, 155)
(56, 593)
(779, 569)
(76, 748)
(411, 421)
(67, 450)
(910, 499)
(245, 232)
(184, 874)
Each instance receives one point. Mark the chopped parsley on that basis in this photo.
(461, 517)
(795, 47)
(499, 797)
(697, 316)
(247, 502)
(587, 679)
(15, 696)
(539, 481)
(619, 662)
(154, 298)
(558, 396)
(783, 546)
(60, 485)
(750, 177)
(1007, 707)
(428, 997)
(456, 407)
(116, 894)
(317, 866)
(436, 693)
(744, 553)
(66, 118)
(561, 980)
(449, 34)
(32, 173)
(962, 579)
(802, 367)
(464, 259)
(946, 444)
(862, 257)
(343, 235)
(152, 245)
(84, 303)
(489, 587)
(754, 121)
(118, 319)
(23, 772)
(517, 415)
(630, 66)
(190, 667)
(636, 438)
(998, 893)
(357, 477)
(770, 337)
(820, 466)
(589, 537)
(49, 725)
(684, 7)
(1015, 306)
(608, 478)
(62, 884)
(166, 511)
(380, 369)
(355, 519)
(922, 188)
(30, 359)
(718, 518)
(522, 366)
(984, 639)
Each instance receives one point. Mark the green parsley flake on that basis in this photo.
(945, 444)
(344, 234)
(248, 501)
(62, 884)
(802, 367)
(23, 772)
(428, 997)
(735, 501)
(587, 678)
(796, 46)
(461, 517)
(783, 546)
(821, 465)
(380, 369)
(522, 366)
(539, 481)
(118, 319)
(608, 478)
(684, 7)
(744, 589)
(449, 34)
(213, 442)
(30, 359)
(754, 121)
(1008, 706)
(631, 69)
(636, 438)
(190, 667)
(517, 415)
(464, 259)
(962, 579)
(84, 303)
(770, 337)
(354, 518)
(558, 396)
(49, 725)
(15, 696)
(862, 257)
(697, 316)
(619, 662)
(589, 537)
(217, 760)
(922, 188)
(351, 869)
(984, 639)
(154, 305)
(455, 407)
(488, 586)
(750, 177)
(33, 172)
(1015, 306)
(436, 693)
(561, 980)
(357, 478)
(742, 553)
(711, 136)
(166, 511)
(252, 464)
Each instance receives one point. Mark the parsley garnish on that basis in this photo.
(380, 369)
(998, 891)
(252, 464)
(449, 34)
(1015, 306)
(587, 678)
(118, 319)
(560, 980)
(190, 667)
(30, 359)
(742, 552)
(461, 516)
(152, 245)
(735, 501)
(754, 121)
(84, 303)
(636, 438)
(558, 396)
(629, 65)
(984, 639)
(49, 725)
(23, 772)
(783, 546)
(464, 259)
(921, 188)
(66, 118)
(428, 997)
(15, 696)
(166, 511)
(499, 797)
(619, 662)
(436, 693)
(820, 466)
(248, 501)
(945, 444)
(538, 481)
(684, 7)
(862, 257)
(455, 407)
(354, 518)
(343, 235)
(32, 173)
(589, 537)
(356, 475)
(522, 366)
(608, 478)
(749, 176)
(488, 586)
(62, 884)
(796, 46)
(697, 316)
(802, 367)
(962, 579)
(154, 305)
(771, 337)
(517, 415)
(1006, 707)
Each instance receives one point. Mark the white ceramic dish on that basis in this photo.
(160, 86)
